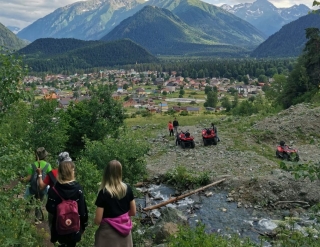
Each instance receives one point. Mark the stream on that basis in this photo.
(217, 214)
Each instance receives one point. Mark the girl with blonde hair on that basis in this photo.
(67, 188)
(115, 204)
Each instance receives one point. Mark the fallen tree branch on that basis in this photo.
(281, 202)
(174, 199)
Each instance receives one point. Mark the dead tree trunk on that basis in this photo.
(174, 199)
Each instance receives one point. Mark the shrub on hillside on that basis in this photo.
(128, 149)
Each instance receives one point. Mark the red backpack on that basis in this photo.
(68, 219)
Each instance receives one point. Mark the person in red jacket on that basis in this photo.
(52, 175)
(170, 126)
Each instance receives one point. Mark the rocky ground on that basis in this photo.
(246, 155)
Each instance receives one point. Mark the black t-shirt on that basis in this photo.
(111, 205)
(175, 123)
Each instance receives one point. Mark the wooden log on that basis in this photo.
(174, 199)
(298, 202)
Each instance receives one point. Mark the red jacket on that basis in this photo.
(170, 126)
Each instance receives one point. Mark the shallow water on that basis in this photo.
(216, 213)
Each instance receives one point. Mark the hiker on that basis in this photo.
(115, 204)
(51, 178)
(170, 126)
(215, 131)
(175, 126)
(66, 188)
(33, 191)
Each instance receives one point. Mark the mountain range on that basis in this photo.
(162, 32)
(265, 16)
(9, 40)
(290, 40)
(57, 55)
(93, 19)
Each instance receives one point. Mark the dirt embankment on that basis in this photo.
(248, 157)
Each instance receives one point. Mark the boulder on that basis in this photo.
(167, 225)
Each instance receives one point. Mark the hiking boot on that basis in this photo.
(37, 222)
(39, 214)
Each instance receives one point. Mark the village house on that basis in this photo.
(191, 109)
(64, 103)
(50, 96)
(129, 103)
(140, 91)
(163, 107)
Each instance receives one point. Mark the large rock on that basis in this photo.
(168, 224)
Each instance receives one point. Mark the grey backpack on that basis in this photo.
(34, 187)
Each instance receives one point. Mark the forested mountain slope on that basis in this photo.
(9, 40)
(162, 32)
(290, 40)
(58, 55)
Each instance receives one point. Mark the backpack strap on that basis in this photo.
(57, 193)
(52, 177)
(34, 167)
(45, 167)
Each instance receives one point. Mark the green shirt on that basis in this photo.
(42, 165)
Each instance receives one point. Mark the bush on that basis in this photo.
(146, 113)
(184, 113)
(126, 149)
(197, 237)
(182, 177)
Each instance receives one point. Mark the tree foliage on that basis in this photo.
(94, 119)
(303, 81)
(48, 127)
(212, 99)
(12, 72)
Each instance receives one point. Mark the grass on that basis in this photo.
(161, 121)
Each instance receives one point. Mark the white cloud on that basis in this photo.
(21, 13)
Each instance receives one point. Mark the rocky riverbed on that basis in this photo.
(246, 155)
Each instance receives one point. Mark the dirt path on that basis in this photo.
(247, 154)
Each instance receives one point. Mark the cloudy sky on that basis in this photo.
(21, 13)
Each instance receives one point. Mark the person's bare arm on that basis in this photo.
(41, 184)
(99, 215)
(25, 179)
(133, 210)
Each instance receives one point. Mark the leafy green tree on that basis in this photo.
(126, 148)
(262, 78)
(274, 90)
(181, 92)
(208, 89)
(225, 102)
(312, 57)
(13, 127)
(12, 73)
(76, 94)
(94, 119)
(48, 126)
(235, 100)
(212, 99)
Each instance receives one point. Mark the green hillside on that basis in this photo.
(161, 32)
(214, 21)
(9, 40)
(290, 40)
(56, 55)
